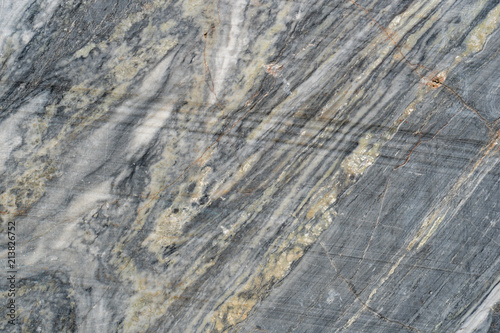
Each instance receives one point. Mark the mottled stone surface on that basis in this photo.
(251, 165)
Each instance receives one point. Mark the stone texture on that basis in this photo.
(251, 166)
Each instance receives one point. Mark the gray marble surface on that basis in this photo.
(250, 165)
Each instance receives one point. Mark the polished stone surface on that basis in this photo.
(251, 165)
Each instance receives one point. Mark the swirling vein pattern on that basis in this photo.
(251, 165)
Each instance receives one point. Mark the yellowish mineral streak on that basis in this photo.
(85, 51)
(324, 198)
(31, 184)
(477, 38)
(261, 49)
(29, 187)
(168, 231)
(147, 304)
(470, 180)
(428, 228)
(397, 24)
(279, 259)
(362, 157)
(413, 16)
(169, 225)
(285, 252)
(388, 135)
(475, 42)
(122, 70)
(384, 138)
(238, 175)
(236, 308)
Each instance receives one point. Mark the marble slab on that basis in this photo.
(250, 166)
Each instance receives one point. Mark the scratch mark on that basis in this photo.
(411, 151)
(356, 296)
(376, 223)
(437, 81)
